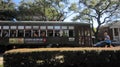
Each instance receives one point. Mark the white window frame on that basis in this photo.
(64, 27)
(28, 27)
(13, 27)
(21, 27)
(71, 27)
(50, 27)
(57, 27)
(35, 27)
(43, 27)
(5, 27)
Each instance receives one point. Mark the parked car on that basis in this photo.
(102, 43)
(115, 43)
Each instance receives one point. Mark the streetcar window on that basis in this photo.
(43, 33)
(13, 33)
(61, 33)
(13, 27)
(35, 33)
(71, 33)
(87, 33)
(20, 33)
(35, 27)
(57, 33)
(65, 33)
(28, 27)
(5, 27)
(64, 27)
(57, 27)
(116, 31)
(27, 33)
(0, 33)
(20, 27)
(5, 33)
(50, 27)
(71, 27)
(42, 27)
(50, 33)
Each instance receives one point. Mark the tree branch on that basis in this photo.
(113, 10)
(92, 16)
(92, 25)
(106, 6)
(68, 16)
(106, 18)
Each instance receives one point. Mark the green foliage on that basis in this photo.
(7, 10)
(73, 7)
(42, 9)
(1, 65)
(63, 57)
(6, 5)
(98, 11)
(37, 9)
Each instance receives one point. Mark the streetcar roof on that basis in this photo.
(60, 22)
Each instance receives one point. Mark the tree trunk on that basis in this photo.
(96, 34)
(96, 37)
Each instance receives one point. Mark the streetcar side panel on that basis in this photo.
(44, 34)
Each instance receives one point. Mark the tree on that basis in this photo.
(45, 10)
(97, 11)
(63, 8)
(6, 9)
(39, 10)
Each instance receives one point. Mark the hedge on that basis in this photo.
(63, 57)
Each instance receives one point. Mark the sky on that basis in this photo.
(66, 20)
(16, 1)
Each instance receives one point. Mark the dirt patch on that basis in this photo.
(1, 59)
(62, 49)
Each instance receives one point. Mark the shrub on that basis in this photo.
(63, 57)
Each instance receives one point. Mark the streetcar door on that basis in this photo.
(84, 36)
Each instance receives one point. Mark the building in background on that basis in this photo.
(113, 30)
